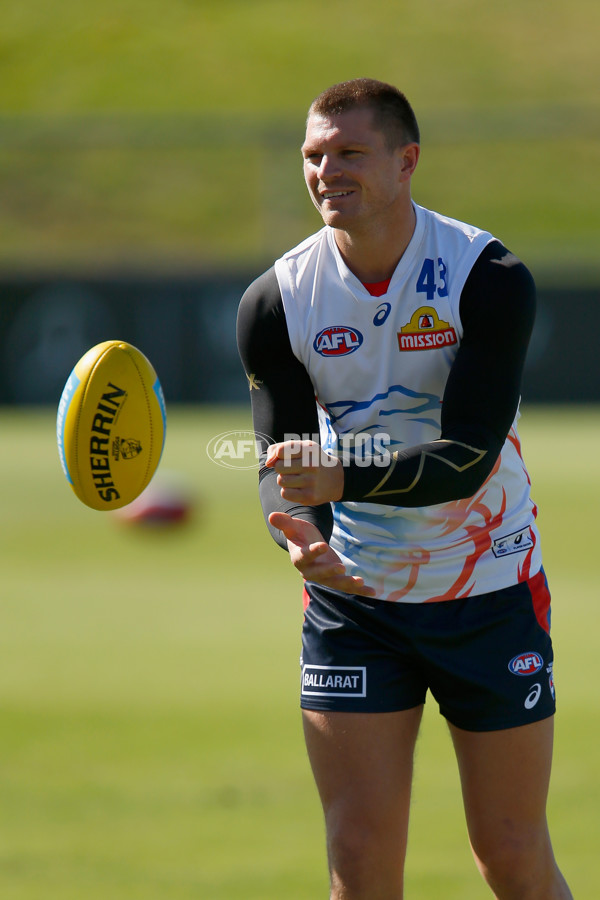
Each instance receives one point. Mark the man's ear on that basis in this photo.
(410, 156)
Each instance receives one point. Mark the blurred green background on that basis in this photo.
(150, 742)
(166, 134)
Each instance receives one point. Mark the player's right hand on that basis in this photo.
(314, 558)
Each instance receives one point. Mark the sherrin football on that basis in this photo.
(111, 425)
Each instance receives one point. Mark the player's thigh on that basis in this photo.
(505, 777)
(362, 764)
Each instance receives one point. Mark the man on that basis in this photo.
(399, 336)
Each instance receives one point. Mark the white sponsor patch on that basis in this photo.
(513, 543)
(334, 681)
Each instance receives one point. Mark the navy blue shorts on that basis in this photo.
(487, 660)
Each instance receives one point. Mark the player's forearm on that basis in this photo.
(436, 472)
(272, 501)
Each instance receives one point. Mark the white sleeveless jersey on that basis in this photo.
(379, 365)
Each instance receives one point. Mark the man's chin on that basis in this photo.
(335, 218)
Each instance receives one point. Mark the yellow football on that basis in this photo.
(111, 425)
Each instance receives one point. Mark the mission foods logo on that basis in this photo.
(334, 681)
(337, 340)
(426, 331)
(526, 663)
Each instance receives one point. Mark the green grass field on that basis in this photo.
(165, 134)
(150, 741)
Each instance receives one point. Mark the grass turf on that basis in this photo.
(150, 741)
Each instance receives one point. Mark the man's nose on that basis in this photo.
(329, 167)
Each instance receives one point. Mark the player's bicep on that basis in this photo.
(281, 392)
(498, 312)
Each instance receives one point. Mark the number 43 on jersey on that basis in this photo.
(433, 279)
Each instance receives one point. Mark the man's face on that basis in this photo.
(353, 178)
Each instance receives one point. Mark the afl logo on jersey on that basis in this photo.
(337, 340)
(526, 663)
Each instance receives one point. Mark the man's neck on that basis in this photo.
(373, 256)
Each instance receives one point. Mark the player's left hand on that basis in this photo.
(314, 558)
(305, 474)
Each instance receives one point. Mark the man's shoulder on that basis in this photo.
(305, 247)
(262, 295)
(452, 226)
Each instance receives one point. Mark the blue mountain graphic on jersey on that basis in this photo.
(421, 403)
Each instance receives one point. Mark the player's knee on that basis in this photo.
(515, 864)
(350, 846)
(361, 862)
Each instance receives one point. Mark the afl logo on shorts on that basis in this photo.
(526, 663)
(337, 340)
